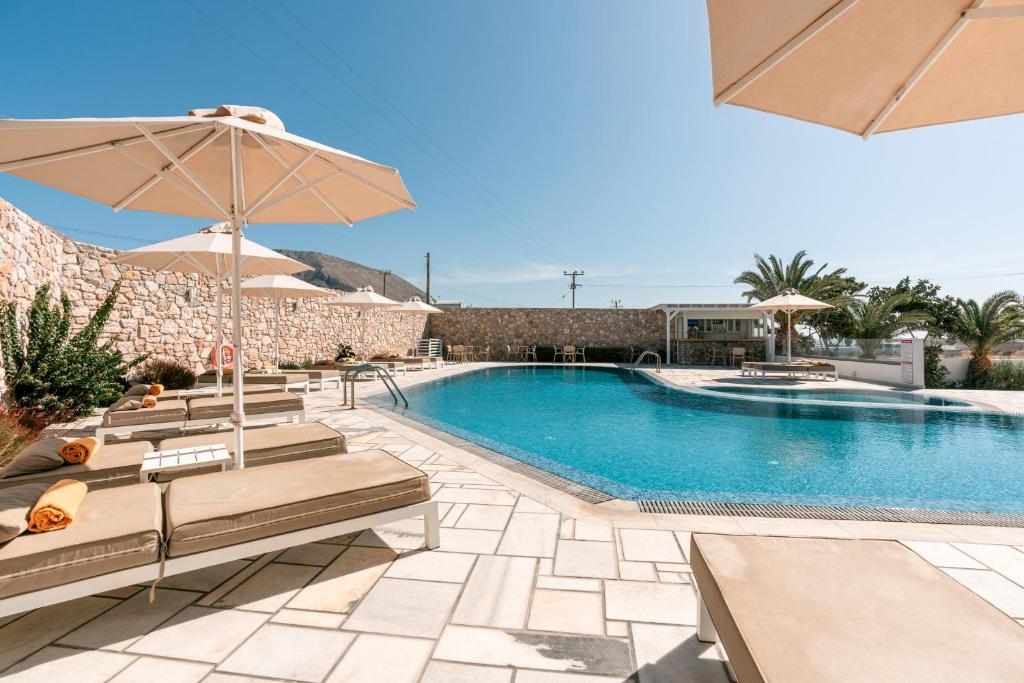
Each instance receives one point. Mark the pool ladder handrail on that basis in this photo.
(643, 355)
(389, 383)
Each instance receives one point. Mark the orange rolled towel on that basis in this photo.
(57, 507)
(149, 401)
(79, 451)
(156, 389)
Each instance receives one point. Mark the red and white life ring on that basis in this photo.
(226, 355)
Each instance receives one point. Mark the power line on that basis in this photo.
(99, 233)
(500, 208)
(632, 286)
(359, 132)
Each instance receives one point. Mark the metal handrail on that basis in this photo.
(643, 355)
(389, 383)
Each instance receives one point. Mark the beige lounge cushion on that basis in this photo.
(322, 373)
(812, 609)
(263, 445)
(226, 508)
(138, 390)
(112, 465)
(226, 390)
(40, 456)
(164, 411)
(255, 404)
(15, 504)
(283, 378)
(116, 529)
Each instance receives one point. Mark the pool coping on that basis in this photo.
(597, 497)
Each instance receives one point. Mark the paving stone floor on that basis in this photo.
(518, 591)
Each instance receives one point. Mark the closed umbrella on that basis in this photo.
(208, 252)
(231, 163)
(415, 305)
(788, 301)
(277, 288)
(363, 299)
(869, 66)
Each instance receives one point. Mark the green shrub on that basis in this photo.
(1004, 375)
(17, 430)
(934, 371)
(171, 373)
(52, 374)
(345, 352)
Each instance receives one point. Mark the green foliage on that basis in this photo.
(345, 352)
(1004, 375)
(999, 319)
(922, 297)
(935, 373)
(874, 319)
(171, 373)
(16, 431)
(53, 374)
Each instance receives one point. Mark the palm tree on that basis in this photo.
(999, 319)
(771, 277)
(872, 320)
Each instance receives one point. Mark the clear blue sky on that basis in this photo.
(590, 121)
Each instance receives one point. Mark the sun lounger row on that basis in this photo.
(287, 381)
(131, 534)
(119, 464)
(790, 369)
(197, 411)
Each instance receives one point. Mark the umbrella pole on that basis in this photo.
(238, 412)
(789, 337)
(277, 334)
(220, 334)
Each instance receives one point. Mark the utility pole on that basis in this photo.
(616, 303)
(384, 274)
(573, 285)
(428, 277)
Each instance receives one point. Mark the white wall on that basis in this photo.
(868, 371)
(957, 366)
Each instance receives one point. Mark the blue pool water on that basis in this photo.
(623, 434)
(846, 396)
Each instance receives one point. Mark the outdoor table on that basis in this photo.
(183, 458)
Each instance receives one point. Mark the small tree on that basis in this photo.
(998, 320)
(52, 374)
(875, 319)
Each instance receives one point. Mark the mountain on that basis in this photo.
(337, 273)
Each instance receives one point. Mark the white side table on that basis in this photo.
(183, 458)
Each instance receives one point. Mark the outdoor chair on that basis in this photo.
(581, 354)
(717, 355)
(559, 353)
(531, 353)
(568, 354)
(739, 354)
(485, 355)
(513, 353)
(451, 353)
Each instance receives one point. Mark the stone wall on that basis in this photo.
(550, 326)
(173, 315)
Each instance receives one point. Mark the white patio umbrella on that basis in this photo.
(364, 299)
(278, 288)
(208, 252)
(869, 66)
(231, 163)
(788, 301)
(415, 305)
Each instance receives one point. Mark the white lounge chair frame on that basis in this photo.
(287, 386)
(790, 370)
(103, 432)
(186, 563)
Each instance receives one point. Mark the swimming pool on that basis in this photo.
(843, 395)
(634, 439)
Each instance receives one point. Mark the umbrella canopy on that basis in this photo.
(277, 288)
(363, 298)
(230, 163)
(788, 301)
(416, 305)
(869, 66)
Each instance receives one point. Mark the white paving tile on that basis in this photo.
(382, 658)
(42, 626)
(650, 545)
(650, 602)
(998, 590)
(637, 571)
(428, 565)
(289, 652)
(590, 531)
(1005, 559)
(493, 517)
(450, 672)
(201, 634)
(530, 534)
(569, 583)
(315, 554)
(154, 670)
(497, 593)
(121, 626)
(405, 607)
(345, 581)
(477, 541)
(668, 654)
(67, 664)
(301, 617)
(586, 559)
(270, 588)
(943, 554)
(566, 611)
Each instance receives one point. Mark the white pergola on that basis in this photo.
(714, 311)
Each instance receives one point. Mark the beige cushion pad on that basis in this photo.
(40, 456)
(227, 390)
(255, 404)
(289, 378)
(112, 465)
(263, 445)
(116, 529)
(226, 508)
(812, 609)
(322, 374)
(164, 411)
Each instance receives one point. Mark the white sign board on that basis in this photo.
(907, 361)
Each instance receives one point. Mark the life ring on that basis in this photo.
(227, 355)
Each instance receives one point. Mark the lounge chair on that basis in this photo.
(132, 534)
(211, 390)
(284, 381)
(789, 369)
(111, 465)
(323, 376)
(200, 411)
(813, 609)
(263, 445)
(392, 367)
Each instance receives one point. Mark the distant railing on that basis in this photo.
(880, 350)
